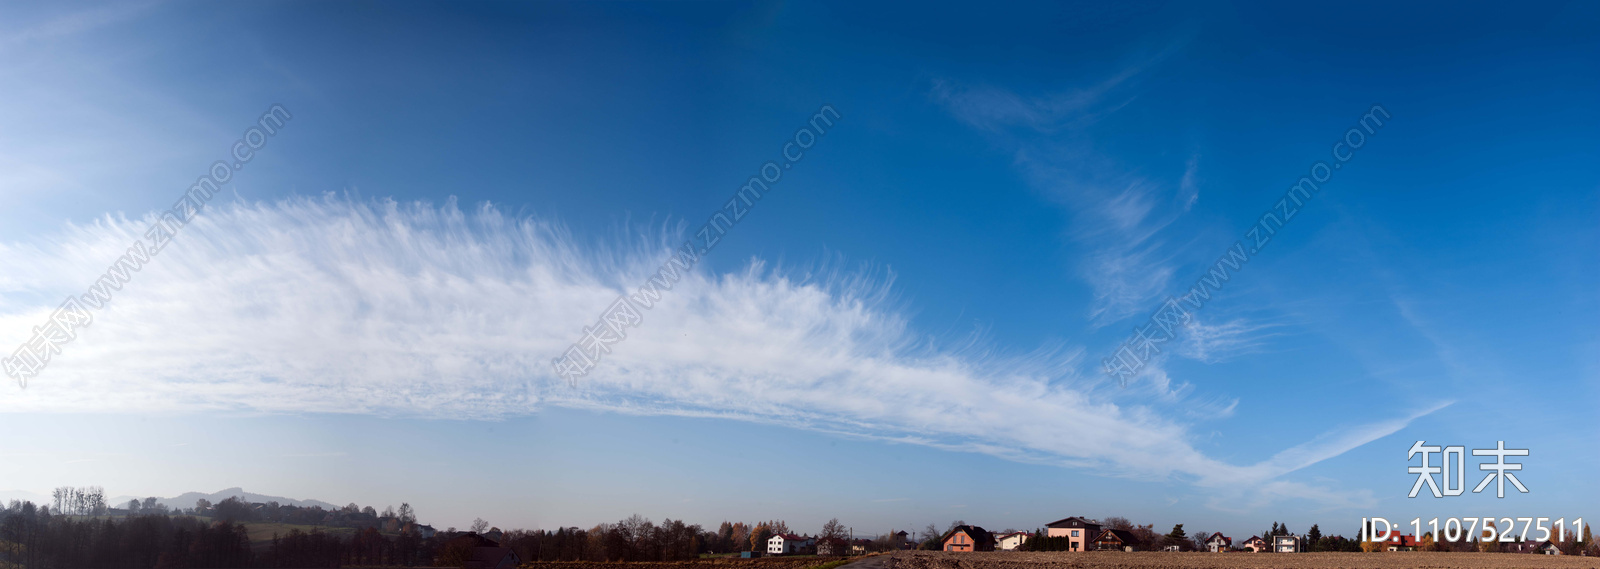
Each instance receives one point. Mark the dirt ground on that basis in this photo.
(720, 563)
(1165, 560)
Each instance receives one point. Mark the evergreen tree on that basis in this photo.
(1177, 536)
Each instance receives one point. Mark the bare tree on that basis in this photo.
(833, 529)
(479, 526)
(1118, 522)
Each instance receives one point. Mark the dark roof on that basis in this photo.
(1122, 535)
(980, 537)
(478, 540)
(1227, 539)
(1072, 522)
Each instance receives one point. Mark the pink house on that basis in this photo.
(1079, 532)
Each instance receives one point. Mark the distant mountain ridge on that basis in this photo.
(188, 499)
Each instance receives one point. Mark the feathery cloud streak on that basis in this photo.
(338, 306)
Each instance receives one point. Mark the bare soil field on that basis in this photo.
(720, 563)
(1166, 560)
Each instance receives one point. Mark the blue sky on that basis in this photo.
(908, 329)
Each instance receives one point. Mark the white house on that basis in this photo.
(1218, 543)
(1286, 544)
(787, 544)
(1011, 540)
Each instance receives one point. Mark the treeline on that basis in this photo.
(35, 537)
(236, 510)
(639, 539)
(31, 537)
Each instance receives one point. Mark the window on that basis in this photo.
(1074, 533)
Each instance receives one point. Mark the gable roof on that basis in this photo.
(787, 536)
(980, 537)
(1121, 535)
(1072, 522)
(1406, 540)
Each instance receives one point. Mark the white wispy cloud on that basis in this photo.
(1117, 213)
(72, 23)
(340, 306)
(1217, 342)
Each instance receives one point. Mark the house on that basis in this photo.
(1255, 544)
(1218, 543)
(1286, 544)
(1115, 540)
(1079, 532)
(486, 553)
(1172, 548)
(967, 538)
(1399, 542)
(831, 546)
(787, 544)
(904, 539)
(426, 531)
(860, 546)
(1545, 548)
(1010, 541)
(493, 558)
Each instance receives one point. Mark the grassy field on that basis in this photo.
(261, 532)
(1164, 560)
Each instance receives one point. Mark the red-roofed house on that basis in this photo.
(1406, 542)
(1218, 543)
